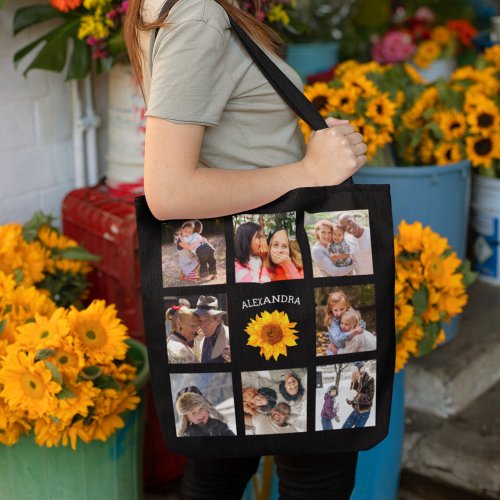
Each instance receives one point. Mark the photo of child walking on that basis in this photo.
(340, 243)
(193, 253)
(345, 319)
(275, 401)
(204, 404)
(345, 395)
(266, 248)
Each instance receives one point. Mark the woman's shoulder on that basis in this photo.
(204, 11)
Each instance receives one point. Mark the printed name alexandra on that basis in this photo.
(282, 299)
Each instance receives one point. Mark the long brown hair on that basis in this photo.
(134, 23)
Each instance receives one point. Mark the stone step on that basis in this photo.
(447, 380)
(462, 451)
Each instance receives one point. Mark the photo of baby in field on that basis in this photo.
(204, 404)
(340, 243)
(193, 253)
(266, 248)
(345, 395)
(275, 401)
(345, 319)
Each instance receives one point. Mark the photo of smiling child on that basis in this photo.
(266, 248)
(204, 404)
(345, 319)
(193, 253)
(340, 243)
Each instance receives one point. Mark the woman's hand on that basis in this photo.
(334, 154)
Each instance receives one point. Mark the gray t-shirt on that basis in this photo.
(199, 73)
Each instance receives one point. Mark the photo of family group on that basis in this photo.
(204, 404)
(193, 252)
(275, 401)
(345, 319)
(340, 243)
(196, 329)
(266, 248)
(345, 395)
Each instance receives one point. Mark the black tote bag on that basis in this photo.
(257, 354)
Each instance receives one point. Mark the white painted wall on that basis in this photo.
(36, 154)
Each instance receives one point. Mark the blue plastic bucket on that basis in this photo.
(437, 196)
(310, 58)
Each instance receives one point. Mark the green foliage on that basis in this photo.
(65, 287)
(270, 222)
(31, 228)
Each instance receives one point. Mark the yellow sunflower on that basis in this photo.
(447, 152)
(453, 124)
(492, 54)
(24, 303)
(427, 52)
(485, 118)
(441, 35)
(346, 67)
(272, 332)
(12, 425)
(414, 75)
(344, 99)
(360, 84)
(426, 150)
(28, 386)
(44, 332)
(381, 110)
(320, 94)
(482, 151)
(98, 331)
(410, 236)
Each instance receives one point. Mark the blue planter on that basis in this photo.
(437, 196)
(310, 58)
(377, 474)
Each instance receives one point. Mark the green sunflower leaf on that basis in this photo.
(3, 324)
(18, 275)
(431, 334)
(31, 228)
(44, 354)
(56, 374)
(77, 253)
(90, 373)
(107, 382)
(90, 415)
(420, 299)
(65, 393)
(8, 309)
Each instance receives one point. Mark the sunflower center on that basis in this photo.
(454, 126)
(483, 147)
(380, 109)
(485, 120)
(32, 386)
(320, 102)
(272, 333)
(90, 334)
(63, 359)
(44, 334)
(344, 101)
(448, 154)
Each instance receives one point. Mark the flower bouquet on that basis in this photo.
(93, 26)
(37, 254)
(447, 122)
(431, 284)
(420, 40)
(369, 96)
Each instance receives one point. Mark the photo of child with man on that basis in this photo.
(198, 333)
(275, 401)
(266, 248)
(345, 319)
(193, 253)
(204, 404)
(340, 243)
(345, 395)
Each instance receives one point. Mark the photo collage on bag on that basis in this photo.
(273, 324)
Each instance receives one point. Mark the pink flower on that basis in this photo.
(425, 15)
(124, 6)
(394, 47)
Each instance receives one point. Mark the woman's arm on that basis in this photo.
(324, 262)
(177, 187)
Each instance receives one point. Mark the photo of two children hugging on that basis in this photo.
(345, 320)
(193, 253)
